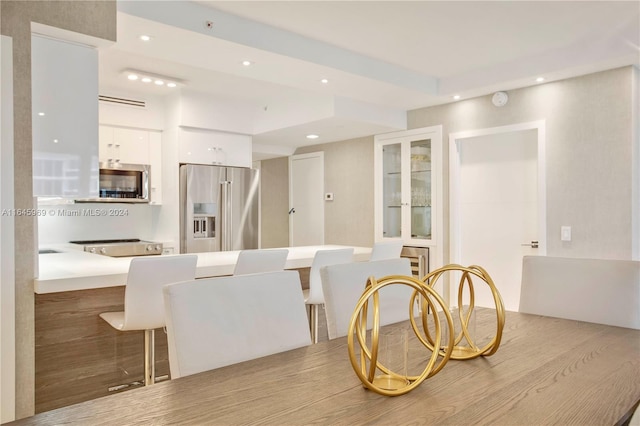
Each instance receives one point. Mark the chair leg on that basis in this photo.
(315, 333)
(313, 322)
(149, 358)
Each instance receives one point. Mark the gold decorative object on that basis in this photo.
(464, 345)
(373, 374)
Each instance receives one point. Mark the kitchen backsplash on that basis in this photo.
(62, 223)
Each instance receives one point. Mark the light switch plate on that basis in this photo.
(565, 233)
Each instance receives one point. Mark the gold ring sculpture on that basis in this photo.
(470, 350)
(391, 383)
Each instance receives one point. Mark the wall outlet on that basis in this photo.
(565, 233)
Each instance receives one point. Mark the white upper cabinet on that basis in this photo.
(131, 145)
(64, 80)
(199, 146)
(106, 150)
(407, 193)
(122, 145)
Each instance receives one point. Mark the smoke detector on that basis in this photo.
(500, 99)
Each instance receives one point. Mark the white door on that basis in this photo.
(497, 209)
(306, 199)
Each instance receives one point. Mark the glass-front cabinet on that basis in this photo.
(406, 194)
(392, 190)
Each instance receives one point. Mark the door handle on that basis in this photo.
(293, 210)
(532, 244)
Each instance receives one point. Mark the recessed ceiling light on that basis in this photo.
(246, 63)
(172, 84)
(324, 81)
(159, 82)
(312, 136)
(146, 80)
(41, 114)
(456, 97)
(132, 77)
(55, 141)
(145, 37)
(540, 79)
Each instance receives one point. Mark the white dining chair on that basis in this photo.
(344, 284)
(386, 250)
(602, 291)
(314, 296)
(143, 300)
(635, 417)
(257, 261)
(221, 321)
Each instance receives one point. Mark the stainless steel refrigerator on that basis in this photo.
(218, 208)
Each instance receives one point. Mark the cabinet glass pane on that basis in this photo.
(391, 191)
(421, 189)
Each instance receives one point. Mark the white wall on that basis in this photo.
(348, 173)
(206, 112)
(151, 117)
(64, 223)
(589, 151)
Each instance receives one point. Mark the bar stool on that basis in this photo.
(144, 303)
(314, 296)
(259, 261)
(383, 250)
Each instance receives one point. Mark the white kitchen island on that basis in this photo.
(72, 269)
(78, 355)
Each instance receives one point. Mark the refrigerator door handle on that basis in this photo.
(226, 215)
(229, 203)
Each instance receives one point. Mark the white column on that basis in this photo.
(7, 235)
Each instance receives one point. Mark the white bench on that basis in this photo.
(592, 290)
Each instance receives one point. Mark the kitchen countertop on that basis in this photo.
(72, 269)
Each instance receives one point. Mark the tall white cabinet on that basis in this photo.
(408, 187)
(64, 78)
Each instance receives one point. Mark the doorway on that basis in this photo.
(498, 204)
(306, 199)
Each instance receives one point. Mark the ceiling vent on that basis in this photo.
(122, 101)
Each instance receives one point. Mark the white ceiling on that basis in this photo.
(382, 58)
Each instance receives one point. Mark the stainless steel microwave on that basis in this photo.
(122, 183)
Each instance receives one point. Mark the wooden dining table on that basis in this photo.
(546, 371)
